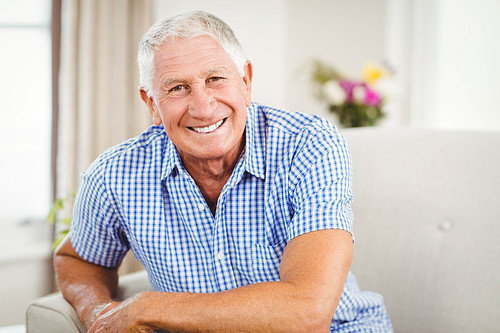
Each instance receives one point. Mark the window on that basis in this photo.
(25, 110)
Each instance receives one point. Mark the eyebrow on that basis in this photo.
(211, 71)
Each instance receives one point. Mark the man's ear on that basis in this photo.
(151, 106)
(247, 78)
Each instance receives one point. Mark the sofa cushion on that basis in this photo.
(427, 226)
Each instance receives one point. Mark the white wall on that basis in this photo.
(447, 52)
(468, 65)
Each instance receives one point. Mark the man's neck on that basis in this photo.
(211, 175)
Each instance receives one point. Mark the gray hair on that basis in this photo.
(188, 24)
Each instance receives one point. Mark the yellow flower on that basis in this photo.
(372, 72)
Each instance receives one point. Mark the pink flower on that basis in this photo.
(348, 87)
(372, 98)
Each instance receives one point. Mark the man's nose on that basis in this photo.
(202, 102)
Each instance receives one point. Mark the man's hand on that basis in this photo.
(119, 317)
(103, 309)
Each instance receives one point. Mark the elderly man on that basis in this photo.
(239, 212)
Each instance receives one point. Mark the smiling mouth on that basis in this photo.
(208, 129)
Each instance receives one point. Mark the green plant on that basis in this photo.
(60, 217)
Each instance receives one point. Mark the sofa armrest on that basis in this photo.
(53, 313)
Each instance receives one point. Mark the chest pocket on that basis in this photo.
(266, 261)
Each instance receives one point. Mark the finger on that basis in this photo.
(97, 326)
(108, 307)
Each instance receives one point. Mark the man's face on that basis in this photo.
(200, 97)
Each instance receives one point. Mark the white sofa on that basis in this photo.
(427, 228)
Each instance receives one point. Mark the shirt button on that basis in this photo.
(220, 255)
(201, 207)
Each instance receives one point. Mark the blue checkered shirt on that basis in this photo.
(293, 177)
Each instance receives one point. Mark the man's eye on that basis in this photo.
(176, 88)
(215, 79)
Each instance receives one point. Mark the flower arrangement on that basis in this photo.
(356, 102)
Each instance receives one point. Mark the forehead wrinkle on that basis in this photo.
(217, 69)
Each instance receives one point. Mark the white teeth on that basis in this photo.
(208, 128)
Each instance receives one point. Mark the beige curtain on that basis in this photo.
(99, 99)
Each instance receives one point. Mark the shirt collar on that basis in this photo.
(171, 159)
(255, 159)
(254, 148)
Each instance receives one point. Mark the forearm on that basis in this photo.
(85, 286)
(263, 307)
(304, 300)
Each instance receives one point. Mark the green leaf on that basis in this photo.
(59, 239)
(56, 206)
(66, 221)
(322, 73)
